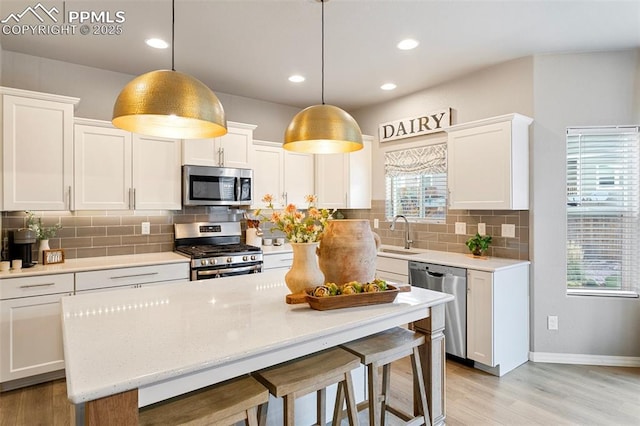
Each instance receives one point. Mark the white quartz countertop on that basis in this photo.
(128, 339)
(488, 263)
(96, 263)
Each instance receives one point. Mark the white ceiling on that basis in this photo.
(250, 47)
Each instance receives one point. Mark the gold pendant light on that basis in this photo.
(323, 129)
(168, 103)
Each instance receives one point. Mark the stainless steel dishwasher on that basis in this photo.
(446, 279)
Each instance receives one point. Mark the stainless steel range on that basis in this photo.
(215, 250)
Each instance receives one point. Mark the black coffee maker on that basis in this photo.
(21, 243)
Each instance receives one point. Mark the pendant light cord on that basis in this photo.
(322, 72)
(173, 37)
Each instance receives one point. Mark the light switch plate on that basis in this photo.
(552, 322)
(508, 230)
(146, 228)
(461, 228)
(376, 223)
(482, 228)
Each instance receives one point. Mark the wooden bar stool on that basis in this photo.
(312, 373)
(380, 350)
(222, 404)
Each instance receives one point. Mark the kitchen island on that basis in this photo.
(132, 348)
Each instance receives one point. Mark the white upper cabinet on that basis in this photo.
(268, 177)
(344, 180)
(286, 175)
(103, 166)
(488, 164)
(37, 150)
(298, 177)
(118, 170)
(231, 150)
(157, 177)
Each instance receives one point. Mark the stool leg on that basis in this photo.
(374, 400)
(321, 404)
(289, 410)
(418, 381)
(386, 384)
(352, 410)
(337, 408)
(252, 417)
(262, 414)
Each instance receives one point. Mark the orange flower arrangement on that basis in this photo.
(296, 225)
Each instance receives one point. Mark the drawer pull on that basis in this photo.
(134, 275)
(37, 285)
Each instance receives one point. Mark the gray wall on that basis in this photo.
(98, 90)
(575, 90)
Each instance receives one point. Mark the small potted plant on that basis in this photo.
(478, 244)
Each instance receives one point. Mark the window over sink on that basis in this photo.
(416, 183)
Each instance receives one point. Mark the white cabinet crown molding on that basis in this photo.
(38, 95)
(491, 120)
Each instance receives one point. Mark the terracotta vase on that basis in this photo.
(348, 251)
(304, 272)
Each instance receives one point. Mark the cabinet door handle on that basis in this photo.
(69, 199)
(37, 285)
(134, 198)
(134, 275)
(285, 196)
(129, 207)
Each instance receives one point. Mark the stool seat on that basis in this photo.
(312, 373)
(224, 404)
(380, 350)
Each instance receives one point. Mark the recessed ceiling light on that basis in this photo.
(408, 44)
(388, 86)
(157, 43)
(296, 79)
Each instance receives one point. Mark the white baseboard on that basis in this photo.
(559, 358)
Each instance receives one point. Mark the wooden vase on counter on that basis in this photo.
(304, 272)
(348, 251)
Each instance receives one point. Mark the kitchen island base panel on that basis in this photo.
(114, 410)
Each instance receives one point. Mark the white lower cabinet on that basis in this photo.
(498, 318)
(277, 260)
(137, 276)
(30, 326)
(392, 269)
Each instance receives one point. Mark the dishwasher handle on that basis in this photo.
(435, 274)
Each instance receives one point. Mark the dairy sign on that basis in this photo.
(415, 126)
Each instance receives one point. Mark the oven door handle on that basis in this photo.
(207, 272)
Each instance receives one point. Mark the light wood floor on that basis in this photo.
(533, 394)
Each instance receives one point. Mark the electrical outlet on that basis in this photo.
(376, 223)
(146, 228)
(552, 322)
(461, 228)
(482, 228)
(508, 230)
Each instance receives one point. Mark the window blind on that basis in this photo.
(416, 182)
(603, 183)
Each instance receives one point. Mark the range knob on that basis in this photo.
(245, 258)
(213, 261)
(203, 262)
(229, 259)
(253, 257)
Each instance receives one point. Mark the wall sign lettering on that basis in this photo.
(415, 126)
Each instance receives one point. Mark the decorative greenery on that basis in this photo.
(42, 232)
(298, 227)
(478, 244)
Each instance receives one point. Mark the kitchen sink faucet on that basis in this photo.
(407, 239)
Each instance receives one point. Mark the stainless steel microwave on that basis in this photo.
(216, 186)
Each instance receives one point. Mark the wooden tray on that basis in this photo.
(346, 300)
